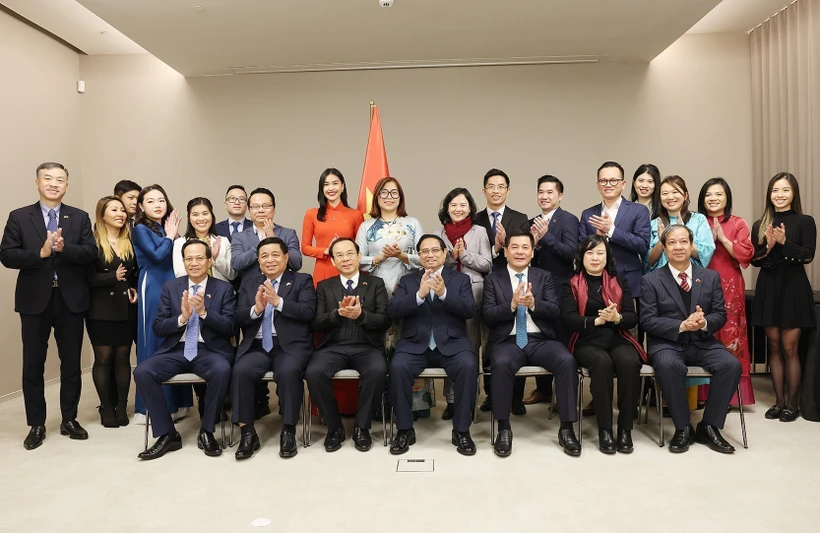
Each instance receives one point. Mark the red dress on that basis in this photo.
(340, 221)
(733, 334)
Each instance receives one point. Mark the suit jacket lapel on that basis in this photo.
(64, 220)
(697, 287)
(37, 220)
(286, 284)
(338, 290)
(209, 290)
(621, 210)
(506, 285)
(671, 287)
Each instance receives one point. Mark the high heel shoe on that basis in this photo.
(121, 414)
(107, 417)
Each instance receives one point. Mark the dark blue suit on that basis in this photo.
(542, 348)
(224, 228)
(213, 359)
(555, 251)
(292, 345)
(670, 351)
(629, 241)
(447, 321)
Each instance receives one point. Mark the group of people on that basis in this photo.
(227, 302)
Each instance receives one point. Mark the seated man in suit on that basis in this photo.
(435, 304)
(521, 308)
(681, 310)
(274, 311)
(352, 315)
(236, 204)
(195, 316)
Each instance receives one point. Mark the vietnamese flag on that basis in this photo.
(375, 163)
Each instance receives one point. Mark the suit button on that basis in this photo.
(112, 294)
(124, 292)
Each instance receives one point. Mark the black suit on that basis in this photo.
(42, 305)
(542, 348)
(346, 343)
(446, 321)
(671, 351)
(292, 345)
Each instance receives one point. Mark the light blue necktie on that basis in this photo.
(432, 343)
(192, 333)
(520, 320)
(495, 214)
(267, 324)
(52, 227)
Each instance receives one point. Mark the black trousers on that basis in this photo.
(287, 374)
(508, 358)
(68, 332)
(366, 359)
(461, 368)
(621, 360)
(213, 367)
(670, 372)
(520, 383)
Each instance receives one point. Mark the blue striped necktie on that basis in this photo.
(520, 320)
(192, 333)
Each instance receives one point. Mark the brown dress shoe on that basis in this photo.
(534, 398)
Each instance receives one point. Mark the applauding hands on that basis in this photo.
(350, 307)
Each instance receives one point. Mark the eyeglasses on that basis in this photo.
(59, 180)
(236, 200)
(613, 181)
(257, 207)
(196, 259)
(348, 255)
(499, 188)
(429, 251)
(393, 193)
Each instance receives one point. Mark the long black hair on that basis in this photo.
(768, 212)
(652, 170)
(588, 243)
(322, 200)
(190, 231)
(142, 218)
(727, 212)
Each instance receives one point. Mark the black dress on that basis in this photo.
(112, 319)
(783, 294)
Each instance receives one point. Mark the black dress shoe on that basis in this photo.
(449, 412)
(682, 439)
(361, 439)
(334, 439)
(287, 443)
(464, 442)
(402, 441)
(789, 414)
(625, 441)
(248, 444)
(773, 413)
(518, 408)
(164, 444)
(207, 443)
(74, 430)
(710, 435)
(503, 443)
(606, 442)
(569, 442)
(35, 437)
(486, 405)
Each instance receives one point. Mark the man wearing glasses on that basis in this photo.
(236, 204)
(624, 223)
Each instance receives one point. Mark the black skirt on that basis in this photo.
(783, 298)
(112, 332)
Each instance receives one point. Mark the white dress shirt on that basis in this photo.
(355, 279)
(500, 216)
(612, 212)
(279, 308)
(531, 327)
(180, 323)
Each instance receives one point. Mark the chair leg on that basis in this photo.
(742, 418)
(661, 442)
(147, 423)
(222, 428)
(309, 420)
(549, 407)
(492, 429)
(305, 442)
(640, 399)
(580, 407)
(384, 422)
(392, 422)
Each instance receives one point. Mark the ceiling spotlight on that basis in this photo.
(386, 3)
(199, 8)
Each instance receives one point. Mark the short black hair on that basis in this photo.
(125, 186)
(519, 234)
(672, 227)
(48, 165)
(496, 172)
(588, 243)
(610, 164)
(444, 212)
(190, 242)
(263, 190)
(430, 236)
(727, 212)
(548, 178)
(232, 187)
(272, 240)
(342, 239)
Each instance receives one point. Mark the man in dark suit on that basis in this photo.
(624, 223)
(352, 315)
(195, 316)
(274, 311)
(681, 310)
(52, 245)
(556, 238)
(520, 308)
(435, 304)
(236, 204)
(128, 192)
(498, 220)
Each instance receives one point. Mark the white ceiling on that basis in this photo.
(248, 36)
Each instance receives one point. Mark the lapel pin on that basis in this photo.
(207, 296)
(288, 284)
(65, 216)
(364, 283)
(697, 280)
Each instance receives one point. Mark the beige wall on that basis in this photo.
(39, 121)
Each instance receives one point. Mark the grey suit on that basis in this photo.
(670, 351)
(243, 250)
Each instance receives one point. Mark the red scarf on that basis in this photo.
(611, 292)
(456, 231)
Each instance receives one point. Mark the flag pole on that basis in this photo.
(372, 109)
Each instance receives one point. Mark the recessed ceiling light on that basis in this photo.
(103, 33)
(199, 8)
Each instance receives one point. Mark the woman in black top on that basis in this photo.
(112, 318)
(597, 307)
(784, 240)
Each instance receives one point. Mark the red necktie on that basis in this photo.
(683, 283)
